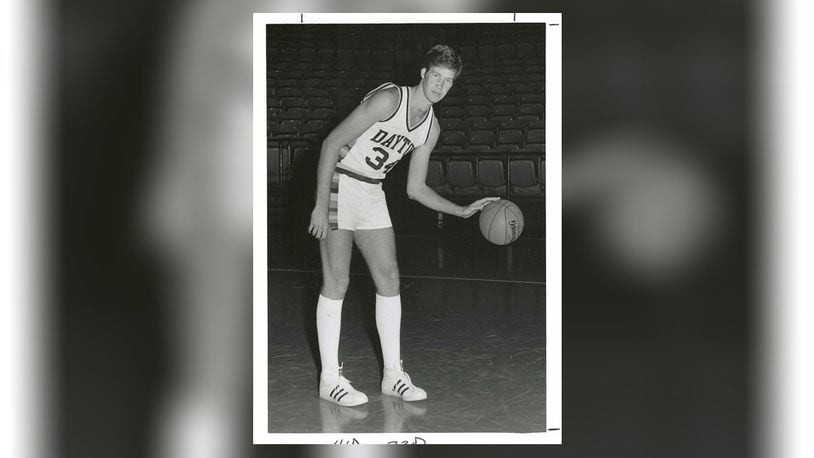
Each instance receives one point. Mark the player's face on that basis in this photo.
(436, 82)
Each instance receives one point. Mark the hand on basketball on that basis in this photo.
(319, 226)
(477, 206)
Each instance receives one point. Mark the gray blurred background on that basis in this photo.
(151, 199)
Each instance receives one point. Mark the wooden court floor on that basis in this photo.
(474, 339)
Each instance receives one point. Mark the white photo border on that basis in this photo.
(553, 171)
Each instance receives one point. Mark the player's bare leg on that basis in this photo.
(378, 246)
(335, 250)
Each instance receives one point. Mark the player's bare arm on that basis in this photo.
(418, 190)
(379, 106)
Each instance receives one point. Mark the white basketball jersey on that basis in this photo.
(384, 143)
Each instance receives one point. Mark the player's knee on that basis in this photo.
(390, 281)
(335, 287)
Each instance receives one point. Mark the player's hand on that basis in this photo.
(477, 206)
(319, 226)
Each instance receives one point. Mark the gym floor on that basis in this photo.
(473, 336)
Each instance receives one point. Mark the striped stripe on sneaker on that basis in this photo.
(397, 383)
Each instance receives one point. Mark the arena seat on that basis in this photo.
(505, 99)
(537, 124)
(288, 92)
(314, 92)
(346, 104)
(524, 181)
(492, 176)
(454, 101)
(287, 82)
(481, 137)
(484, 124)
(532, 98)
(435, 177)
(453, 139)
(461, 177)
(331, 82)
(531, 111)
(495, 80)
(506, 148)
(523, 88)
(291, 115)
(478, 100)
(511, 70)
(452, 112)
(509, 138)
(298, 110)
(320, 102)
(504, 110)
(477, 89)
(471, 120)
(293, 102)
(313, 131)
(273, 160)
(535, 136)
(452, 124)
(513, 124)
(286, 128)
(535, 76)
(322, 114)
(497, 89)
(474, 111)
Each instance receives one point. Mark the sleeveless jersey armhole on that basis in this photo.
(381, 88)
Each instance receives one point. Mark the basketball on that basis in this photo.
(501, 222)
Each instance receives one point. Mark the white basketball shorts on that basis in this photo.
(357, 205)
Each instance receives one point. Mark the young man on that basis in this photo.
(350, 207)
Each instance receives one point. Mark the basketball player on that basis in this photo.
(390, 123)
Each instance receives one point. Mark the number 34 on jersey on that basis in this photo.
(391, 148)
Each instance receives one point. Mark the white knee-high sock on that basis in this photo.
(388, 323)
(329, 323)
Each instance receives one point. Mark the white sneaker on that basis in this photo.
(397, 383)
(337, 389)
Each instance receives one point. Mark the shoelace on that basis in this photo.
(342, 377)
(404, 374)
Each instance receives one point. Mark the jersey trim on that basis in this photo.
(432, 119)
(381, 88)
(407, 114)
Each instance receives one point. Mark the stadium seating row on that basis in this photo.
(329, 53)
(477, 175)
(531, 138)
(451, 175)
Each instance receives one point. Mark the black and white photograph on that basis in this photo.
(405, 214)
